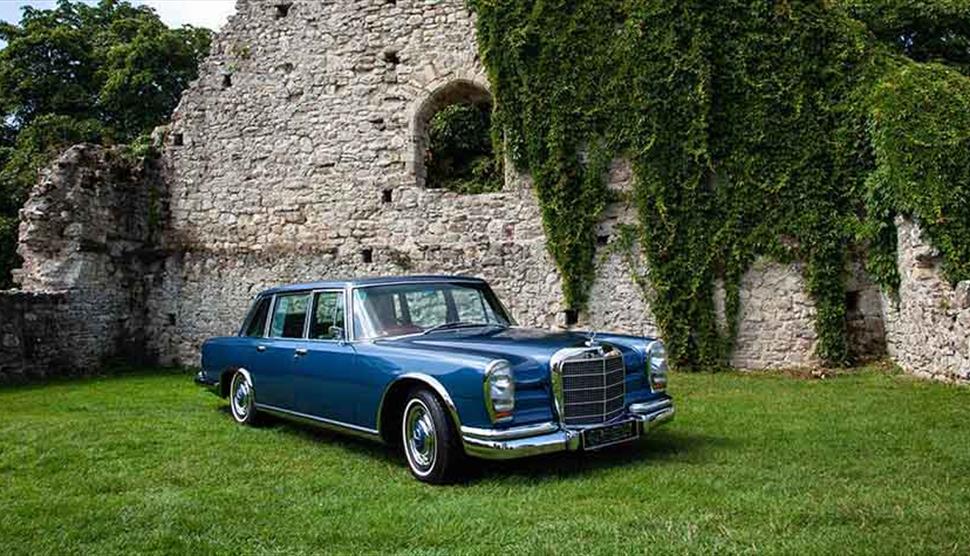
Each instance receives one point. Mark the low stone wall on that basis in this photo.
(31, 337)
(928, 325)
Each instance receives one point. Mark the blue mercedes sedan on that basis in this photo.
(436, 365)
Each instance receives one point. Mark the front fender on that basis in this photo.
(408, 379)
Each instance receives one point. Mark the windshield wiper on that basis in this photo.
(459, 324)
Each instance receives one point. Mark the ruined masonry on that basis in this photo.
(298, 155)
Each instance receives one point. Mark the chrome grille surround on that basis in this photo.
(588, 384)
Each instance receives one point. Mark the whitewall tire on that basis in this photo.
(429, 438)
(242, 398)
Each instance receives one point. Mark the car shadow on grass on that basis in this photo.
(315, 434)
(658, 448)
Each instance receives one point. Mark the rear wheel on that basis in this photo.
(430, 440)
(242, 398)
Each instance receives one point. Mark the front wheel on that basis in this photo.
(242, 398)
(430, 439)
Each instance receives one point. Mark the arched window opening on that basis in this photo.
(454, 148)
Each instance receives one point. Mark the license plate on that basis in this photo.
(609, 435)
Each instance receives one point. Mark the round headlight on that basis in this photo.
(499, 390)
(656, 367)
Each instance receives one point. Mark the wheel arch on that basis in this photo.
(391, 408)
(225, 378)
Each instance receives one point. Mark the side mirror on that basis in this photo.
(337, 333)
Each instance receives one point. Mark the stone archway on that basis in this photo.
(458, 91)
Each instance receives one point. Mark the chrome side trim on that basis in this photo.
(431, 382)
(338, 426)
(510, 433)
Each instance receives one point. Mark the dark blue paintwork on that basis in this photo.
(346, 381)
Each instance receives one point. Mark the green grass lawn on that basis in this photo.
(865, 462)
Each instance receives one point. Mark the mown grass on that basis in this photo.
(866, 462)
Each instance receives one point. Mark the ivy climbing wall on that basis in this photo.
(300, 155)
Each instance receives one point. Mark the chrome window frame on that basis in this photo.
(251, 313)
(306, 315)
(310, 315)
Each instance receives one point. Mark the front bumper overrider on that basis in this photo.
(545, 438)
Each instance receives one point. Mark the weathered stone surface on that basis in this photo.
(87, 236)
(961, 298)
(928, 326)
(30, 336)
(307, 164)
(271, 187)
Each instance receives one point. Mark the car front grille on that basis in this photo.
(593, 387)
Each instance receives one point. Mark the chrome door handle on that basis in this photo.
(260, 348)
(300, 352)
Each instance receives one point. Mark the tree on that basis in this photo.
(107, 73)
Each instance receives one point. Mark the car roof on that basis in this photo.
(370, 281)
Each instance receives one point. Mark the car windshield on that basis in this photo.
(419, 308)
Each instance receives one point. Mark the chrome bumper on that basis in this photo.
(545, 438)
(205, 382)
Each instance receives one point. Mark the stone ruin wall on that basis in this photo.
(298, 156)
(87, 236)
(928, 325)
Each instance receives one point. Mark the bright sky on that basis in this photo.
(175, 13)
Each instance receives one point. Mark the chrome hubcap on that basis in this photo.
(420, 436)
(242, 396)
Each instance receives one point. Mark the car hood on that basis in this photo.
(515, 344)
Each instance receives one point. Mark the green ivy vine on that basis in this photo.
(780, 128)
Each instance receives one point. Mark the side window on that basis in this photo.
(257, 319)
(328, 316)
(289, 316)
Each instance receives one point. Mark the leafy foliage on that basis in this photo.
(924, 30)
(753, 131)
(460, 155)
(8, 242)
(920, 135)
(106, 73)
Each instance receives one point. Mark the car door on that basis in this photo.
(329, 387)
(252, 344)
(273, 377)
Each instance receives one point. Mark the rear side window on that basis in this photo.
(257, 319)
(289, 316)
